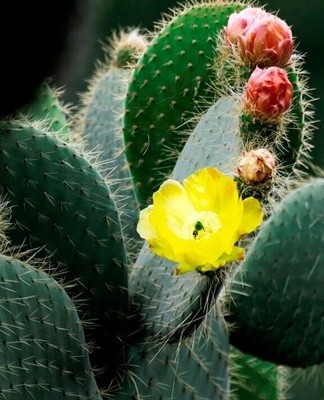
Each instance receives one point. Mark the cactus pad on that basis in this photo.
(43, 352)
(62, 205)
(167, 85)
(277, 301)
(46, 108)
(193, 369)
(102, 131)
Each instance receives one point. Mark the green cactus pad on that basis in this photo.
(168, 83)
(102, 131)
(305, 383)
(43, 352)
(194, 368)
(171, 305)
(276, 300)
(101, 119)
(215, 141)
(299, 131)
(46, 107)
(252, 378)
(61, 205)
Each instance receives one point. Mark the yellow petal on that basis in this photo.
(230, 204)
(204, 187)
(209, 189)
(148, 231)
(252, 216)
(171, 202)
(203, 251)
(162, 248)
(184, 268)
(167, 243)
(144, 227)
(169, 213)
(237, 254)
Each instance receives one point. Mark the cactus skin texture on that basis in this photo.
(101, 128)
(193, 368)
(214, 141)
(285, 275)
(100, 124)
(305, 383)
(166, 87)
(47, 109)
(62, 205)
(43, 352)
(156, 335)
(252, 378)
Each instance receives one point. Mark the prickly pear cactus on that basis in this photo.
(43, 351)
(62, 207)
(279, 279)
(203, 136)
(99, 123)
(47, 109)
(252, 378)
(167, 85)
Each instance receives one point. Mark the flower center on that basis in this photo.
(201, 224)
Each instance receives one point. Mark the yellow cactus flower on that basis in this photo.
(197, 223)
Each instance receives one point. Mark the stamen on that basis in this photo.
(198, 227)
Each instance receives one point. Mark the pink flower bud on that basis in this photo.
(268, 94)
(262, 38)
(239, 23)
(268, 42)
(256, 166)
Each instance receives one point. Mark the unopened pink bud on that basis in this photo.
(256, 166)
(268, 93)
(268, 42)
(262, 38)
(239, 23)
